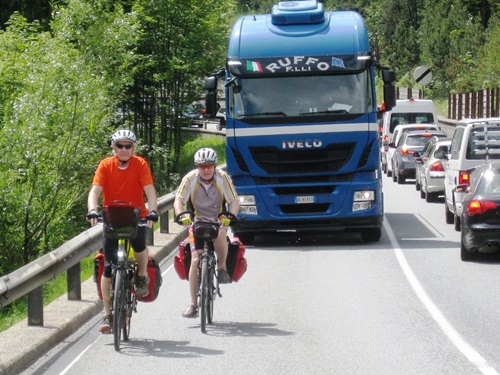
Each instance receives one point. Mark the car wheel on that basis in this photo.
(448, 214)
(456, 223)
(417, 185)
(422, 193)
(429, 197)
(465, 255)
(384, 168)
(401, 179)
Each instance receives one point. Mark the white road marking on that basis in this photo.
(456, 339)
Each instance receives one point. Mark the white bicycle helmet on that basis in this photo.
(123, 135)
(205, 156)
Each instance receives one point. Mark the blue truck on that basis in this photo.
(302, 141)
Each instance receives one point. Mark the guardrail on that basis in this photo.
(30, 278)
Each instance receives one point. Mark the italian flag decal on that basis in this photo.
(254, 66)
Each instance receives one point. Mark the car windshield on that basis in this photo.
(410, 118)
(419, 140)
(301, 95)
(490, 183)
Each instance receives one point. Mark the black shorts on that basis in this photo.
(110, 247)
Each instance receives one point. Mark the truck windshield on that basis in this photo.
(315, 95)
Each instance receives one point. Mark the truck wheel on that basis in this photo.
(371, 235)
(245, 238)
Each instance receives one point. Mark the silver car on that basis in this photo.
(409, 148)
(430, 168)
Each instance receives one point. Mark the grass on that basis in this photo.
(18, 310)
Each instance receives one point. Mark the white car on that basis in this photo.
(474, 142)
(221, 117)
(430, 172)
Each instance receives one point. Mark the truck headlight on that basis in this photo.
(247, 204)
(363, 200)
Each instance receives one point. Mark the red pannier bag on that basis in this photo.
(182, 261)
(98, 270)
(155, 281)
(236, 263)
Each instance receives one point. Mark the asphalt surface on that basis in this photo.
(21, 344)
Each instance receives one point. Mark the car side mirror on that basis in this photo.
(419, 161)
(461, 188)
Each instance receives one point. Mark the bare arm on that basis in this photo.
(178, 206)
(150, 192)
(93, 200)
(234, 207)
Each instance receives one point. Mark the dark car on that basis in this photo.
(409, 148)
(194, 115)
(480, 219)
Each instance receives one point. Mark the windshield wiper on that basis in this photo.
(335, 111)
(279, 113)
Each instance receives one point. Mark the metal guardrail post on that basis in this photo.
(150, 236)
(74, 283)
(35, 307)
(164, 222)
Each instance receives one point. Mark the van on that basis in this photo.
(474, 142)
(407, 111)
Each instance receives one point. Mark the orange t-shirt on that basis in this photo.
(124, 184)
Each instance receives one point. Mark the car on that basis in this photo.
(480, 215)
(406, 111)
(473, 142)
(221, 117)
(194, 115)
(407, 150)
(429, 173)
(396, 136)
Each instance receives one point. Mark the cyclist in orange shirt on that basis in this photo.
(123, 177)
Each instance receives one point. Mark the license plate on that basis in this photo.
(305, 199)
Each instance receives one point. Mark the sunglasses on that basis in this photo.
(206, 166)
(120, 146)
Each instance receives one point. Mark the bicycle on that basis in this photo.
(208, 285)
(121, 221)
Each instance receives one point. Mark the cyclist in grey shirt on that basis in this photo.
(206, 190)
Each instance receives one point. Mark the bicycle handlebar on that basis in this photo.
(190, 213)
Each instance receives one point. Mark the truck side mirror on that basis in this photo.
(211, 96)
(389, 77)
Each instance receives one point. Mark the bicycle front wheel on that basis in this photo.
(119, 307)
(211, 296)
(131, 303)
(204, 294)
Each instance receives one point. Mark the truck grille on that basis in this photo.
(329, 159)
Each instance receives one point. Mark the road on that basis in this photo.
(330, 305)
